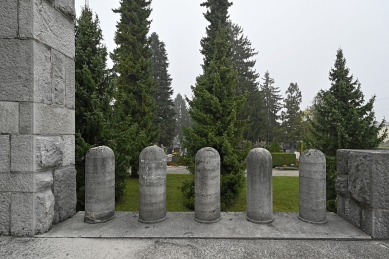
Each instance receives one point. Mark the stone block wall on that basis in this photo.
(363, 192)
(37, 116)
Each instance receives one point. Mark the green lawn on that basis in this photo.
(285, 195)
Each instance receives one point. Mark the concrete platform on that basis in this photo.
(233, 225)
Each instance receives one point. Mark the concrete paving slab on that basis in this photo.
(233, 225)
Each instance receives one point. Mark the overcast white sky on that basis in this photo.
(296, 40)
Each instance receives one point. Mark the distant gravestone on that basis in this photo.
(152, 185)
(312, 182)
(207, 186)
(99, 185)
(259, 186)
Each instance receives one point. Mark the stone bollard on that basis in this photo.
(152, 185)
(312, 181)
(259, 186)
(207, 186)
(99, 185)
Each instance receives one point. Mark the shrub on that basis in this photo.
(280, 159)
(275, 147)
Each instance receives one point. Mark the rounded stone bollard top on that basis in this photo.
(153, 155)
(261, 154)
(312, 164)
(312, 156)
(102, 151)
(211, 155)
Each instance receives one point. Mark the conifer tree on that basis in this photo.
(182, 117)
(272, 106)
(291, 117)
(94, 92)
(214, 109)
(164, 113)
(247, 83)
(342, 118)
(134, 107)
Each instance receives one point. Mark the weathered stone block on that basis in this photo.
(341, 185)
(340, 200)
(5, 153)
(5, 210)
(380, 224)
(352, 212)
(68, 146)
(53, 120)
(64, 190)
(39, 20)
(58, 72)
(342, 161)
(367, 221)
(16, 70)
(43, 181)
(22, 214)
(359, 185)
(67, 7)
(44, 211)
(8, 18)
(9, 117)
(22, 147)
(70, 83)
(26, 182)
(26, 122)
(43, 92)
(380, 180)
(48, 152)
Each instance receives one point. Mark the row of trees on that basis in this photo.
(130, 106)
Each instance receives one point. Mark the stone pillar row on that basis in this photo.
(100, 184)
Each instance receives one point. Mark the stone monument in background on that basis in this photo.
(37, 146)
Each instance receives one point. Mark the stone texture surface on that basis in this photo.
(5, 209)
(68, 146)
(70, 83)
(26, 115)
(8, 18)
(352, 212)
(207, 185)
(64, 190)
(48, 152)
(43, 92)
(58, 73)
(39, 20)
(152, 185)
(380, 180)
(22, 214)
(380, 221)
(44, 211)
(359, 185)
(48, 119)
(16, 70)
(22, 147)
(342, 161)
(67, 7)
(9, 117)
(341, 185)
(312, 182)
(5, 153)
(259, 204)
(340, 200)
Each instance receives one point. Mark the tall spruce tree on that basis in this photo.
(164, 113)
(291, 117)
(134, 107)
(215, 106)
(272, 106)
(247, 83)
(182, 117)
(342, 118)
(94, 92)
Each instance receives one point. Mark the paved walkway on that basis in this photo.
(183, 170)
(179, 236)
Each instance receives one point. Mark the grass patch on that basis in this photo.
(285, 195)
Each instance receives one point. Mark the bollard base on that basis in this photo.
(152, 221)
(207, 221)
(260, 222)
(312, 222)
(93, 218)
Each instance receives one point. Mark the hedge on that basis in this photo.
(280, 159)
